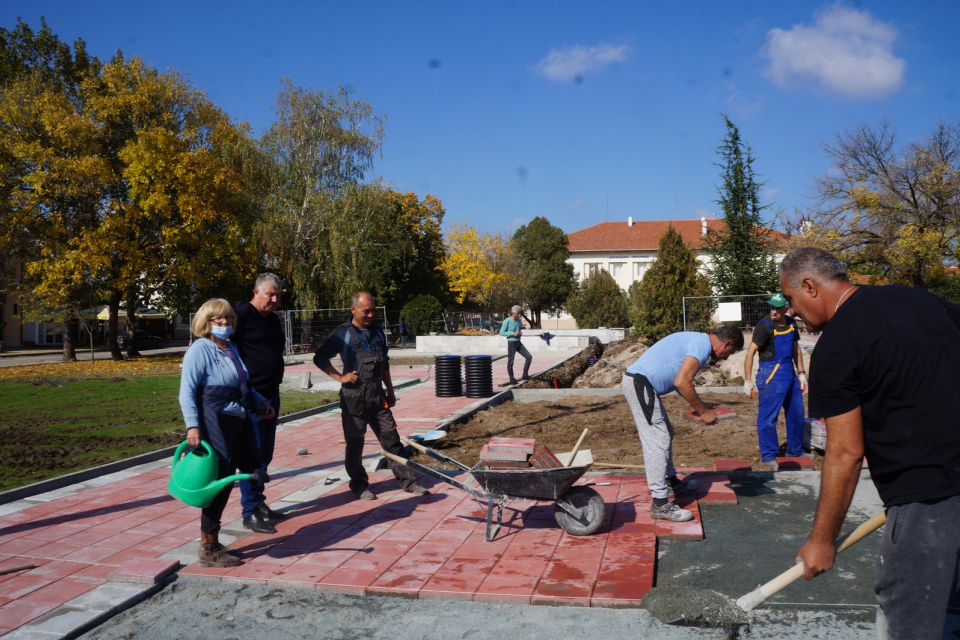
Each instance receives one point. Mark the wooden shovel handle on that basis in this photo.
(573, 454)
(761, 593)
(416, 445)
(390, 456)
(17, 567)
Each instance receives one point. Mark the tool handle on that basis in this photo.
(610, 465)
(573, 454)
(390, 456)
(416, 445)
(17, 567)
(761, 593)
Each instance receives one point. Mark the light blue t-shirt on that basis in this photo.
(509, 326)
(661, 362)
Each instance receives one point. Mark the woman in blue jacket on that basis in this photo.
(214, 398)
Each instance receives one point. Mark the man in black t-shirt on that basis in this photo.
(260, 340)
(885, 374)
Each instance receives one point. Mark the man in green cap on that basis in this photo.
(781, 381)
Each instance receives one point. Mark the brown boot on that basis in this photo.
(214, 554)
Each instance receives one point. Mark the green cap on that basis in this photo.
(777, 300)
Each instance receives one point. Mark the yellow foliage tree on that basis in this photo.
(478, 266)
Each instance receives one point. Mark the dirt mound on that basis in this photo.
(608, 371)
(564, 375)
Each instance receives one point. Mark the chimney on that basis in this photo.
(703, 225)
(630, 221)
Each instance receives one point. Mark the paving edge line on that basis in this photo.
(129, 603)
(52, 484)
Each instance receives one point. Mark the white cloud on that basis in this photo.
(742, 104)
(576, 204)
(703, 213)
(847, 52)
(572, 63)
(517, 223)
(770, 193)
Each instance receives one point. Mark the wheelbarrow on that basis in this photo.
(579, 510)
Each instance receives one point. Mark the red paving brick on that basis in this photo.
(431, 547)
(731, 465)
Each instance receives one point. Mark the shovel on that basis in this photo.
(696, 607)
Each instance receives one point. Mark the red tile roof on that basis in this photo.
(643, 235)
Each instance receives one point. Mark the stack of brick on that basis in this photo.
(507, 453)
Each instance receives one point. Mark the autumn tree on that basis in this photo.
(656, 301)
(888, 208)
(545, 278)
(318, 148)
(741, 252)
(598, 301)
(477, 266)
(127, 182)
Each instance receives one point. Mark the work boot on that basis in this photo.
(769, 465)
(270, 514)
(366, 494)
(417, 490)
(258, 524)
(682, 487)
(214, 554)
(670, 511)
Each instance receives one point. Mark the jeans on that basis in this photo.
(265, 432)
(513, 348)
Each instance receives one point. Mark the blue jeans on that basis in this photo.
(265, 431)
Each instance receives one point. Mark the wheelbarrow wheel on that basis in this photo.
(590, 504)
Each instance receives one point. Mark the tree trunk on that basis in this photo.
(132, 350)
(71, 335)
(114, 306)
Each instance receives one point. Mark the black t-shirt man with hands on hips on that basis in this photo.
(885, 374)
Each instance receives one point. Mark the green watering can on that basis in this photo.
(193, 480)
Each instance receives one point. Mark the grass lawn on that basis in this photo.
(55, 419)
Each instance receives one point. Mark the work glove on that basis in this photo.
(749, 388)
(803, 382)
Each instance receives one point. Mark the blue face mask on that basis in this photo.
(221, 332)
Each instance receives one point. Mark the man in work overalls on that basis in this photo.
(362, 347)
(781, 381)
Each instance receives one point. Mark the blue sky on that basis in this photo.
(510, 110)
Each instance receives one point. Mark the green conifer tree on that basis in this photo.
(741, 253)
(656, 302)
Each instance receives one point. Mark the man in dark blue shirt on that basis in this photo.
(362, 347)
(260, 340)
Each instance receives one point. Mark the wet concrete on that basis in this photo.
(694, 607)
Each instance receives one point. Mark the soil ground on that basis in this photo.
(613, 435)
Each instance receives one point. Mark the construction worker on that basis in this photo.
(781, 381)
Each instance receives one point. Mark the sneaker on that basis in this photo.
(683, 488)
(769, 465)
(513, 382)
(670, 511)
(524, 377)
(417, 490)
(366, 494)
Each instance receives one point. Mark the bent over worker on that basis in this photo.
(888, 391)
(671, 365)
(362, 347)
(780, 381)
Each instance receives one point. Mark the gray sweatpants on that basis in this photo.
(656, 438)
(918, 569)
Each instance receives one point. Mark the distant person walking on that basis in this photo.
(885, 376)
(259, 337)
(780, 381)
(362, 347)
(671, 365)
(215, 397)
(512, 329)
(404, 329)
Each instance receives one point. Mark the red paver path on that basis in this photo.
(412, 546)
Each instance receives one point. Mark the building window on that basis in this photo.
(640, 268)
(591, 268)
(616, 269)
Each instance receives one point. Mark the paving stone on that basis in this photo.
(144, 570)
(801, 463)
(731, 465)
(19, 612)
(60, 621)
(108, 596)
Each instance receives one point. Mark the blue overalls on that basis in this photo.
(778, 386)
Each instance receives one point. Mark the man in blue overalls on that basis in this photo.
(781, 381)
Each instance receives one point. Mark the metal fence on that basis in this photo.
(473, 320)
(702, 312)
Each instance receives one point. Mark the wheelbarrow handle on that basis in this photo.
(390, 456)
(436, 455)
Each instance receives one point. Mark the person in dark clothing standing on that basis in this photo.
(259, 337)
(362, 347)
(885, 376)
